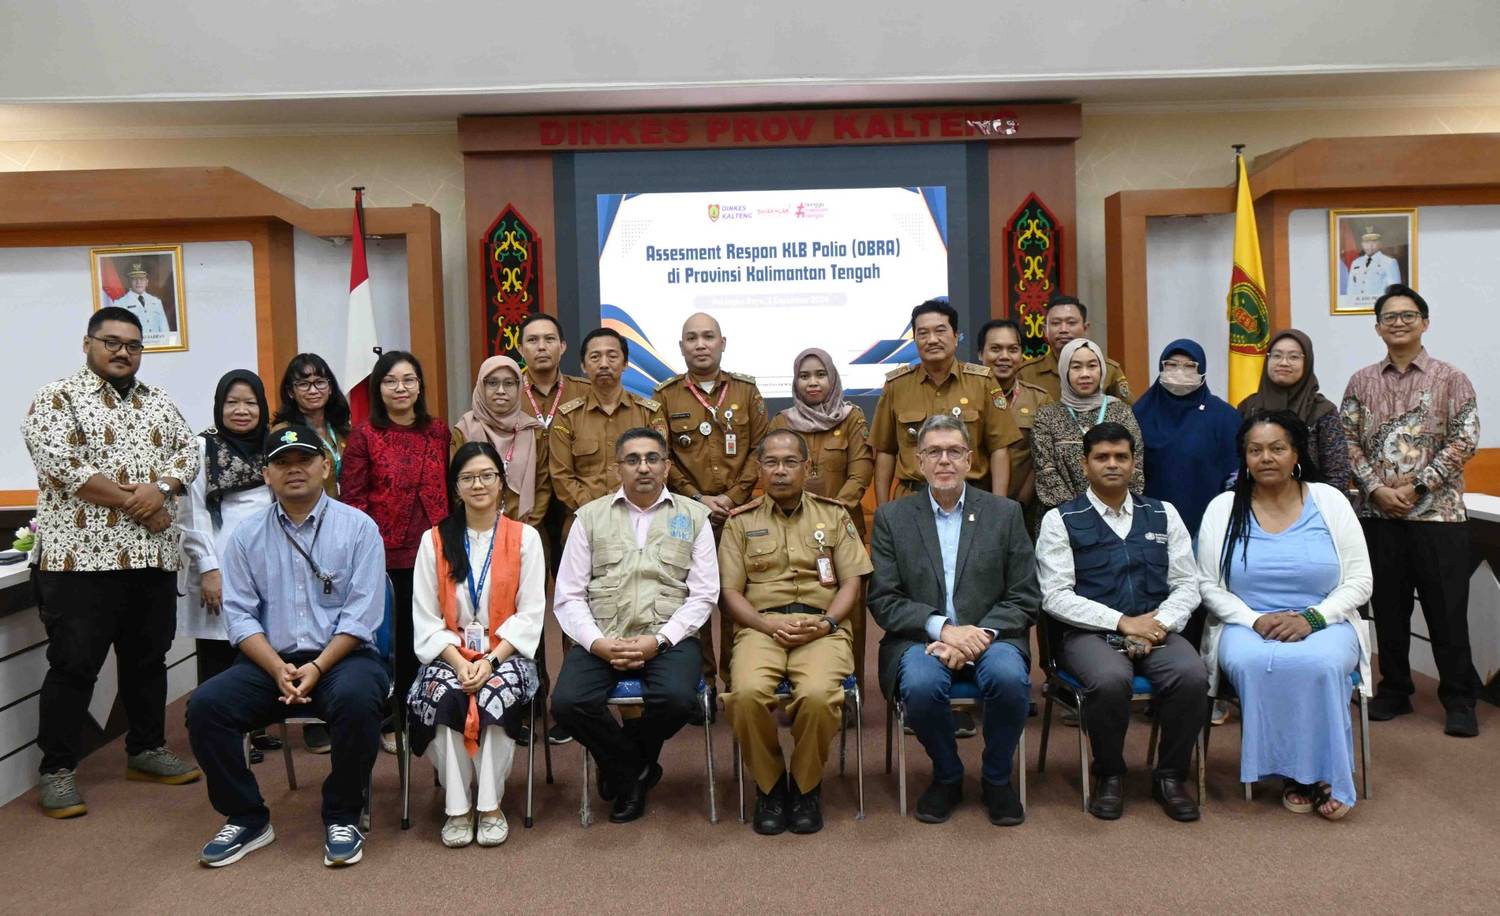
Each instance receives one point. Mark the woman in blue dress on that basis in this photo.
(1283, 570)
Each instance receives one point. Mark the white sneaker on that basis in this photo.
(388, 742)
(458, 831)
(493, 829)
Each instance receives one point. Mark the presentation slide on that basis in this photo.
(838, 268)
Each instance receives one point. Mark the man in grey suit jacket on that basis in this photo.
(955, 590)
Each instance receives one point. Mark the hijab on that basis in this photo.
(1301, 398)
(816, 418)
(513, 435)
(1189, 440)
(1065, 359)
(232, 461)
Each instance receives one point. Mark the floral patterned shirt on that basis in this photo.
(81, 426)
(1422, 423)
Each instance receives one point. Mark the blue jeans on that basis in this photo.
(1003, 676)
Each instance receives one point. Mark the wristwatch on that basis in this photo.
(662, 644)
(833, 625)
(1422, 490)
(165, 488)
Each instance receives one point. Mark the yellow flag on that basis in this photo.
(1249, 319)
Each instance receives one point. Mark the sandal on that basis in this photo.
(1291, 790)
(1323, 795)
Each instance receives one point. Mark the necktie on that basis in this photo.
(142, 298)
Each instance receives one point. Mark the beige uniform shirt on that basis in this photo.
(1041, 371)
(1022, 404)
(581, 447)
(969, 392)
(700, 461)
(840, 462)
(549, 403)
(772, 558)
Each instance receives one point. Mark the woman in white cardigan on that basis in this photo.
(1283, 570)
(478, 596)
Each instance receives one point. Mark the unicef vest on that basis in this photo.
(1129, 575)
(634, 590)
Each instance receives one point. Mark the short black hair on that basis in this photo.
(583, 348)
(115, 313)
(533, 318)
(640, 432)
(1106, 432)
(1060, 300)
(941, 307)
(1397, 291)
(760, 450)
(380, 418)
(995, 324)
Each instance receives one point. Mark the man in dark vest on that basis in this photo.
(1119, 583)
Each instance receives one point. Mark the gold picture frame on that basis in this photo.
(1369, 249)
(147, 280)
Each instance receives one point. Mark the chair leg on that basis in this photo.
(1151, 743)
(1203, 769)
(1249, 790)
(739, 775)
(859, 749)
(901, 754)
(1364, 744)
(890, 718)
(1083, 754)
(843, 733)
(529, 818)
(585, 814)
(708, 753)
(286, 754)
(245, 742)
(1041, 757)
(364, 814)
(546, 731)
(1020, 770)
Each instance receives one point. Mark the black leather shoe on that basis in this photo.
(630, 804)
(770, 810)
(1175, 800)
(1461, 723)
(1108, 799)
(937, 803)
(1384, 707)
(1003, 804)
(807, 810)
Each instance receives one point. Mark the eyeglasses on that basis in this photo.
(651, 460)
(791, 464)
(393, 384)
(1391, 319)
(1189, 365)
(1277, 356)
(482, 479)
(508, 384)
(954, 455)
(306, 385)
(113, 345)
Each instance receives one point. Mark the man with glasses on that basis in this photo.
(638, 578)
(955, 590)
(790, 568)
(112, 455)
(1412, 423)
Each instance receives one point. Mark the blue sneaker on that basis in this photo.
(344, 846)
(233, 842)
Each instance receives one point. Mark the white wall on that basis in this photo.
(1187, 279)
(47, 303)
(322, 281)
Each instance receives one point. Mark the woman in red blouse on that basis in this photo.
(394, 467)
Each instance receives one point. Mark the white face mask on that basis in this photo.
(1180, 381)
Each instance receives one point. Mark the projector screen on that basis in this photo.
(835, 268)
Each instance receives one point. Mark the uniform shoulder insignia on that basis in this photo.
(823, 499)
(1030, 360)
(752, 504)
(576, 378)
(668, 382)
(1037, 389)
(747, 379)
(977, 369)
(571, 405)
(899, 371)
(647, 403)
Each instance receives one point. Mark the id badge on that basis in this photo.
(731, 444)
(826, 575)
(474, 637)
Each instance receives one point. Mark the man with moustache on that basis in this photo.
(1000, 349)
(1068, 318)
(112, 456)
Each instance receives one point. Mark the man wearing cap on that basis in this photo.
(145, 306)
(304, 595)
(1372, 270)
(1068, 318)
(790, 568)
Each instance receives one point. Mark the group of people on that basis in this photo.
(1011, 494)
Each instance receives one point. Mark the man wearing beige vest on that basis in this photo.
(639, 576)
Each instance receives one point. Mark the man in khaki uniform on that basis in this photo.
(790, 568)
(939, 384)
(581, 452)
(1000, 349)
(1068, 318)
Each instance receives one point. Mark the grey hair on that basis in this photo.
(941, 421)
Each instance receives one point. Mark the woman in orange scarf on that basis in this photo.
(477, 603)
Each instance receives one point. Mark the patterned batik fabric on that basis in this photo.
(1420, 425)
(437, 699)
(81, 426)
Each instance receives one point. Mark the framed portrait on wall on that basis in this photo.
(146, 280)
(1368, 251)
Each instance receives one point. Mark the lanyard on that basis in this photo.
(544, 419)
(323, 577)
(714, 410)
(474, 591)
(1097, 420)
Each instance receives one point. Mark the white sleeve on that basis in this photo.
(1054, 561)
(430, 636)
(193, 518)
(1182, 575)
(524, 628)
(1221, 602)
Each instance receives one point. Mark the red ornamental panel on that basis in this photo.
(512, 256)
(1033, 269)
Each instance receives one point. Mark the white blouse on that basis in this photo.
(524, 628)
(202, 545)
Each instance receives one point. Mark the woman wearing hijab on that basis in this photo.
(496, 417)
(840, 463)
(1189, 434)
(229, 489)
(1288, 383)
(1057, 432)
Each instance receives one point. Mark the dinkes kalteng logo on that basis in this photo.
(717, 212)
(713, 213)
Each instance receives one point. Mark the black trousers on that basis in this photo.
(350, 698)
(85, 613)
(404, 635)
(669, 685)
(1179, 690)
(214, 656)
(1432, 558)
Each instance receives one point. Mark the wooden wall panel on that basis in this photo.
(1018, 169)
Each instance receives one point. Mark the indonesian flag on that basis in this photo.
(359, 336)
(109, 279)
(1249, 319)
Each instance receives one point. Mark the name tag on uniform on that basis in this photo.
(731, 444)
(474, 637)
(680, 416)
(826, 575)
(758, 533)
